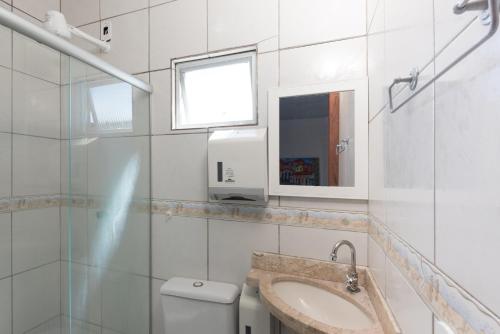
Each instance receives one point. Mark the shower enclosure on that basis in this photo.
(75, 140)
(105, 202)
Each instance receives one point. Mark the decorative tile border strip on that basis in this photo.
(333, 220)
(29, 203)
(447, 300)
(356, 222)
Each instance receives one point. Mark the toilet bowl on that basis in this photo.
(193, 306)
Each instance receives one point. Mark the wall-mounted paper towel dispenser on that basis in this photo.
(237, 166)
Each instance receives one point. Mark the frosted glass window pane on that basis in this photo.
(111, 107)
(217, 92)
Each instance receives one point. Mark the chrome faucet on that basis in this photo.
(352, 275)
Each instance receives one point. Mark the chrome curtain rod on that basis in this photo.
(492, 18)
(42, 36)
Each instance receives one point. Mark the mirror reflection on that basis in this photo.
(317, 139)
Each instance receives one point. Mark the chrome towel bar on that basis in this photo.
(488, 17)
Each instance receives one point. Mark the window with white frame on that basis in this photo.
(215, 90)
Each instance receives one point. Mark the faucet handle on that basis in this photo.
(352, 282)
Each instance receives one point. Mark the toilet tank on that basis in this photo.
(193, 306)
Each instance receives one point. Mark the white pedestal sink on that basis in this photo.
(322, 305)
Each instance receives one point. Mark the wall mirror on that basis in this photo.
(318, 140)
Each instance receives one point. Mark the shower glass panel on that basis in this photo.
(106, 209)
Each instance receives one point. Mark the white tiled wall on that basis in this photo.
(174, 256)
(29, 252)
(232, 23)
(317, 243)
(35, 106)
(413, 316)
(29, 165)
(35, 166)
(36, 297)
(303, 23)
(178, 29)
(231, 245)
(6, 305)
(221, 250)
(433, 175)
(5, 245)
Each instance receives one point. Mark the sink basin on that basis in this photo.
(322, 305)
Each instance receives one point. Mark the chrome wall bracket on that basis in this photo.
(411, 80)
(464, 6)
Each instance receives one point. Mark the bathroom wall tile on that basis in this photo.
(161, 105)
(119, 165)
(36, 297)
(268, 77)
(6, 40)
(116, 7)
(74, 219)
(5, 99)
(378, 88)
(36, 59)
(178, 29)
(323, 63)
(376, 168)
(412, 314)
(77, 327)
(305, 22)
(36, 8)
(79, 177)
(409, 171)
(125, 302)
(94, 30)
(130, 43)
(377, 61)
(5, 164)
(29, 252)
(318, 243)
(161, 102)
(232, 23)
(171, 182)
(35, 106)
(324, 204)
(6, 306)
(79, 13)
(85, 292)
(35, 166)
(174, 256)
(157, 309)
(5, 246)
(371, 7)
(409, 36)
(376, 262)
(119, 241)
(231, 245)
(448, 24)
(467, 176)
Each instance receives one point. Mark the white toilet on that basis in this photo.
(193, 307)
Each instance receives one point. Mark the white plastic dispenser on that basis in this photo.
(254, 316)
(237, 166)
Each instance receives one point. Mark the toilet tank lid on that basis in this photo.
(215, 292)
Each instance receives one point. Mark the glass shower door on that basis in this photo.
(106, 210)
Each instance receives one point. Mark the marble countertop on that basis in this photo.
(269, 268)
